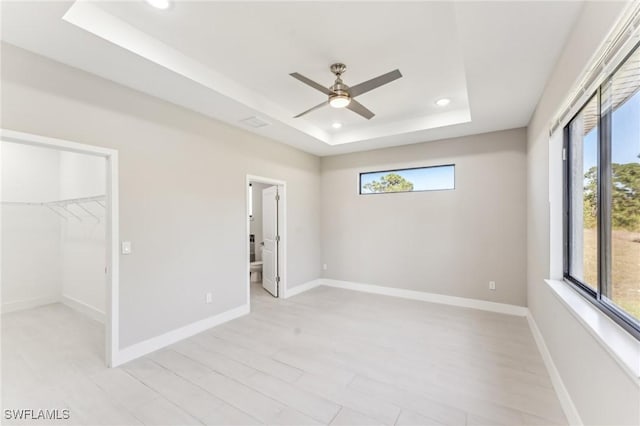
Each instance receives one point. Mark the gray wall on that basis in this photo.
(182, 190)
(601, 390)
(446, 242)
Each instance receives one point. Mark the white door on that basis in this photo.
(270, 235)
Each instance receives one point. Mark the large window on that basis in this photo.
(433, 178)
(602, 196)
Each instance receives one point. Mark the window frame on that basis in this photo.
(404, 169)
(604, 169)
(567, 185)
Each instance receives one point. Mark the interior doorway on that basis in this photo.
(60, 198)
(266, 237)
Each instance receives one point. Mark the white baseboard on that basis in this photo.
(150, 345)
(84, 308)
(28, 304)
(484, 305)
(302, 288)
(563, 394)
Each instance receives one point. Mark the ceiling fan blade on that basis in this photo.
(360, 109)
(369, 85)
(312, 109)
(311, 83)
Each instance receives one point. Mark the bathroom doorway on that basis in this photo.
(266, 237)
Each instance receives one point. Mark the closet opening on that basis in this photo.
(59, 271)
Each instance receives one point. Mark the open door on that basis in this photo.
(271, 238)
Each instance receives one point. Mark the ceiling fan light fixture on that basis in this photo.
(339, 101)
(159, 4)
(443, 102)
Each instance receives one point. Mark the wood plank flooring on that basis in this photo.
(326, 356)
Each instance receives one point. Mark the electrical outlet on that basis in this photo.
(324, 266)
(209, 298)
(492, 285)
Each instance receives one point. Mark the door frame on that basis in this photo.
(112, 308)
(282, 231)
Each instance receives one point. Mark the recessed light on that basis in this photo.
(443, 102)
(336, 125)
(159, 4)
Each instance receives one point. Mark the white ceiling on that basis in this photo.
(232, 60)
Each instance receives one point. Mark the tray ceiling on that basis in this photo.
(232, 60)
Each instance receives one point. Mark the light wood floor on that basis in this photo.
(327, 356)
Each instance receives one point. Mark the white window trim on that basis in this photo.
(623, 347)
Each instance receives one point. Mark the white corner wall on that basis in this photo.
(601, 390)
(30, 235)
(182, 191)
(83, 242)
(445, 242)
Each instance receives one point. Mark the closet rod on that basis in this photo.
(63, 205)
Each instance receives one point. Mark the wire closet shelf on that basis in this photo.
(65, 208)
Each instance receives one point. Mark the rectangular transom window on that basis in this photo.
(602, 196)
(433, 178)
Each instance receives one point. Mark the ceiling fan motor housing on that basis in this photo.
(340, 97)
(339, 88)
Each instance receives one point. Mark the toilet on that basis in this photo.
(255, 268)
(255, 271)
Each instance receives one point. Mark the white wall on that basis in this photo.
(446, 242)
(603, 393)
(81, 175)
(256, 223)
(31, 252)
(182, 190)
(83, 242)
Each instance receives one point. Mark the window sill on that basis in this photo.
(623, 347)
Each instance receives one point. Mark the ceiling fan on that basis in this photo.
(342, 96)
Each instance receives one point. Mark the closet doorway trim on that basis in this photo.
(112, 225)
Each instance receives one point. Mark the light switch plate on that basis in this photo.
(126, 247)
